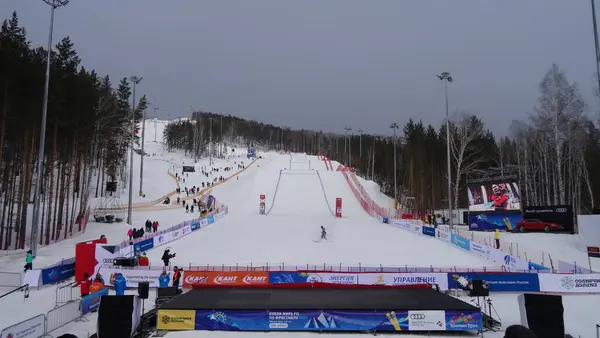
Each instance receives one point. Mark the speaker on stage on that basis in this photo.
(143, 289)
(118, 316)
(480, 288)
(542, 314)
(166, 292)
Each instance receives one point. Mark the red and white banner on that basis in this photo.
(133, 277)
(441, 279)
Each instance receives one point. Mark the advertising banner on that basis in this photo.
(133, 277)
(144, 245)
(187, 229)
(442, 235)
(481, 249)
(195, 224)
(310, 277)
(508, 261)
(162, 239)
(494, 196)
(441, 279)
(310, 320)
(91, 302)
(399, 223)
(176, 234)
(210, 219)
(416, 228)
(31, 328)
(588, 283)
(232, 278)
(171, 320)
(487, 222)
(428, 231)
(58, 273)
(460, 242)
(557, 214)
(500, 282)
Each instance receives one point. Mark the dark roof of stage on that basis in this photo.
(315, 299)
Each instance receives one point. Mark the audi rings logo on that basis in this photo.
(561, 209)
(417, 316)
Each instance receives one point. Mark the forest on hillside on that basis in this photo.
(554, 153)
(88, 123)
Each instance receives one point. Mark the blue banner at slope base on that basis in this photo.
(307, 320)
(428, 231)
(460, 242)
(144, 245)
(504, 222)
(58, 273)
(501, 282)
(91, 302)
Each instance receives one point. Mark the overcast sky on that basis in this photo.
(327, 64)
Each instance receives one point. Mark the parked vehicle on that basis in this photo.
(537, 225)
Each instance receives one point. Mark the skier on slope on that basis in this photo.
(323, 233)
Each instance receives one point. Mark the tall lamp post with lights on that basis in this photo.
(395, 127)
(135, 80)
(446, 78)
(54, 4)
(349, 130)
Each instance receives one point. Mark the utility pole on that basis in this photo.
(373, 163)
(446, 78)
(394, 126)
(155, 120)
(135, 80)
(597, 49)
(142, 154)
(210, 143)
(348, 130)
(37, 198)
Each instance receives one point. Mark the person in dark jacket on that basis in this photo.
(166, 257)
(518, 331)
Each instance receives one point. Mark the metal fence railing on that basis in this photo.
(11, 279)
(62, 315)
(67, 293)
(23, 288)
(34, 326)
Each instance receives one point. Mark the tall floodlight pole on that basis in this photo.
(135, 80)
(446, 78)
(349, 130)
(54, 4)
(394, 126)
(142, 153)
(155, 120)
(597, 49)
(360, 132)
(210, 142)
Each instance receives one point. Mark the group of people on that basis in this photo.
(88, 285)
(151, 226)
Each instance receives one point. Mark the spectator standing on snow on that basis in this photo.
(28, 261)
(177, 276)
(497, 238)
(164, 279)
(143, 260)
(154, 226)
(130, 234)
(166, 257)
(120, 284)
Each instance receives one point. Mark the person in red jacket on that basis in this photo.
(155, 226)
(143, 260)
(84, 285)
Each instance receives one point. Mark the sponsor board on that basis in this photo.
(144, 245)
(310, 277)
(401, 224)
(176, 234)
(311, 320)
(31, 328)
(91, 302)
(460, 242)
(577, 283)
(442, 235)
(233, 278)
(428, 231)
(481, 249)
(508, 261)
(441, 279)
(176, 320)
(133, 277)
(58, 273)
(162, 239)
(426, 321)
(500, 282)
(416, 228)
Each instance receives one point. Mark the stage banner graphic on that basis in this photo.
(91, 302)
(310, 277)
(233, 278)
(172, 320)
(500, 282)
(441, 279)
(578, 283)
(133, 277)
(460, 242)
(495, 221)
(144, 245)
(308, 320)
(442, 235)
(428, 231)
(426, 321)
(461, 321)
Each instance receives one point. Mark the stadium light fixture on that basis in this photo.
(446, 78)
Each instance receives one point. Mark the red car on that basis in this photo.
(538, 225)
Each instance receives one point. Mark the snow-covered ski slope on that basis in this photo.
(289, 234)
